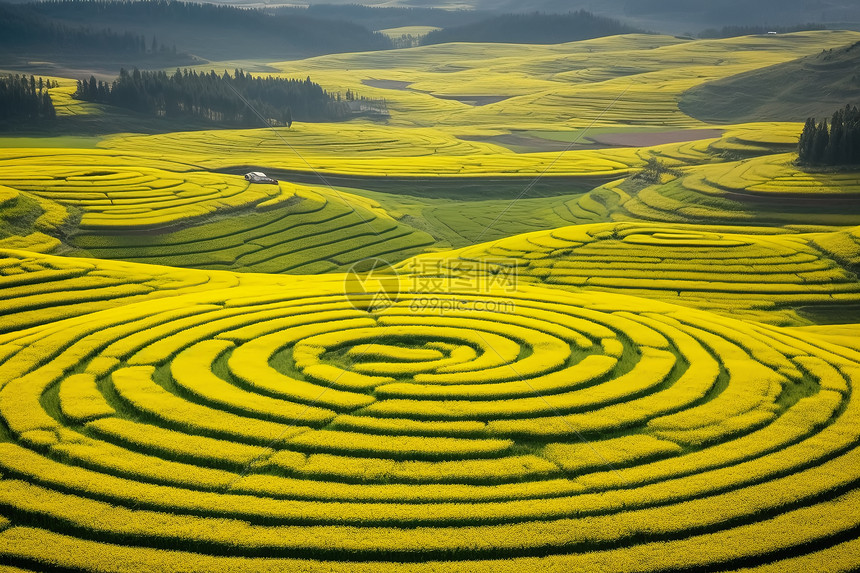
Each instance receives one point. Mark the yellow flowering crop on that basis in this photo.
(636, 397)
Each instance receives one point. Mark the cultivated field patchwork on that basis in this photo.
(323, 430)
(145, 209)
(640, 354)
(548, 86)
(767, 276)
(764, 190)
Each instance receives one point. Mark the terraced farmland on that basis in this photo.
(140, 208)
(117, 192)
(769, 276)
(39, 289)
(309, 232)
(641, 355)
(521, 428)
(363, 149)
(763, 190)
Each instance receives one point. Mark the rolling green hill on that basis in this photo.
(810, 86)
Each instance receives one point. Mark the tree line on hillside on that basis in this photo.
(238, 100)
(384, 17)
(23, 28)
(250, 31)
(26, 98)
(737, 31)
(838, 144)
(535, 28)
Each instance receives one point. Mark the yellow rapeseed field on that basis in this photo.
(621, 424)
(763, 273)
(595, 349)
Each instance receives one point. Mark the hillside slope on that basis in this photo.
(810, 86)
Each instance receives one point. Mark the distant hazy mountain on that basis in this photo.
(533, 29)
(674, 16)
(61, 28)
(669, 16)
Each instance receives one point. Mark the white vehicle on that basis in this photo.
(258, 177)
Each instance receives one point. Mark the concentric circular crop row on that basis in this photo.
(149, 210)
(764, 277)
(114, 192)
(322, 431)
(763, 190)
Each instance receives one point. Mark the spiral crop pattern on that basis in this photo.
(300, 428)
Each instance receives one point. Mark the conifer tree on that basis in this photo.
(21, 99)
(218, 98)
(838, 145)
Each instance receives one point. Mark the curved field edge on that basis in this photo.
(721, 392)
(118, 208)
(180, 419)
(114, 204)
(761, 273)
